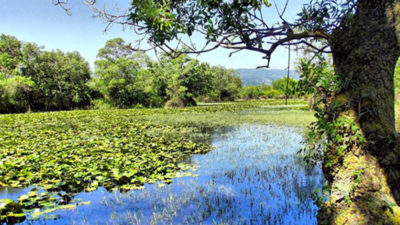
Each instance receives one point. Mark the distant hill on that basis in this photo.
(263, 76)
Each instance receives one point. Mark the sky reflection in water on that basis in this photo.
(252, 177)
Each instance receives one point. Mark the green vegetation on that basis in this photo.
(277, 90)
(38, 80)
(67, 152)
(84, 149)
(34, 79)
(11, 212)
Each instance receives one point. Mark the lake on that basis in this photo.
(253, 176)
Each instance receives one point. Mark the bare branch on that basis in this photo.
(110, 19)
(63, 4)
(230, 54)
(260, 67)
(299, 36)
(90, 2)
(283, 11)
(319, 50)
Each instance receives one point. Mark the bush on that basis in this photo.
(175, 102)
(273, 93)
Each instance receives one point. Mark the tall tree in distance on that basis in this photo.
(362, 158)
(15, 90)
(187, 79)
(226, 84)
(60, 78)
(31, 78)
(117, 68)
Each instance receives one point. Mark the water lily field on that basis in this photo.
(211, 164)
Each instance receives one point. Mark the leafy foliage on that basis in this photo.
(117, 81)
(318, 77)
(259, 91)
(277, 90)
(38, 80)
(165, 20)
(325, 15)
(283, 83)
(83, 150)
(11, 212)
(128, 79)
(60, 80)
(14, 93)
(31, 78)
(225, 85)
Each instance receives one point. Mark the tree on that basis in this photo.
(124, 76)
(14, 88)
(361, 163)
(14, 93)
(31, 78)
(127, 78)
(10, 53)
(316, 76)
(116, 81)
(60, 78)
(187, 79)
(286, 85)
(226, 84)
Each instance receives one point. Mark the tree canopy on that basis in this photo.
(38, 80)
(31, 78)
(127, 78)
(235, 25)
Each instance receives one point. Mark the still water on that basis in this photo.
(252, 177)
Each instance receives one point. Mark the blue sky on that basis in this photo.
(41, 22)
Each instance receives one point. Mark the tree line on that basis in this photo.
(33, 79)
(276, 90)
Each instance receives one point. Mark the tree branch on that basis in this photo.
(63, 4)
(256, 35)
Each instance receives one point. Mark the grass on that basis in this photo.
(282, 117)
(82, 150)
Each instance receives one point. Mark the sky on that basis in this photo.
(41, 22)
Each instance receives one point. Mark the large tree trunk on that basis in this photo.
(363, 169)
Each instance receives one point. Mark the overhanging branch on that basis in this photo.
(261, 38)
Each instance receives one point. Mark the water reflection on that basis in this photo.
(252, 177)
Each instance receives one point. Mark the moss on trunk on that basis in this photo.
(362, 164)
